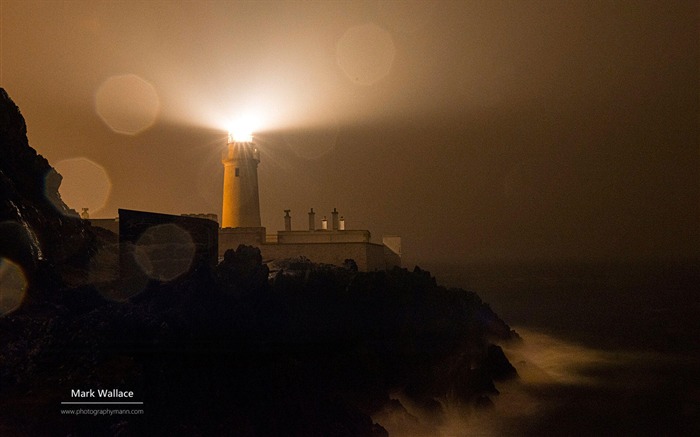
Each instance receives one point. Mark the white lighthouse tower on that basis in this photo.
(241, 203)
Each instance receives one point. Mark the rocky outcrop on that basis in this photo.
(37, 230)
(316, 351)
(242, 271)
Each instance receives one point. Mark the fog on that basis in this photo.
(492, 130)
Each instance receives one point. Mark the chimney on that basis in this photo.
(334, 216)
(312, 220)
(342, 223)
(324, 223)
(287, 220)
(85, 214)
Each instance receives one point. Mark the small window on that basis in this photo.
(238, 171)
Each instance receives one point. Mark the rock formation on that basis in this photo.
(37, 230)
(316, 351)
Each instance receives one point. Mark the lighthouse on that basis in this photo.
(241, 203)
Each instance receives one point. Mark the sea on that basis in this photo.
(608, 349)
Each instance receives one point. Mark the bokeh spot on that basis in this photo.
(164, 252)
(85, 184)
(127, 104)
(13, 285)
(365, 53)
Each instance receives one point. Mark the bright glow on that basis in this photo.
(241, 130)
(240, 137)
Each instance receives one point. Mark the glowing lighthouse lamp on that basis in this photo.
(241, 202)
(241, 131)
(240, 136)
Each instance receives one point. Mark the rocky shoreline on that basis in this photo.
(311, 350)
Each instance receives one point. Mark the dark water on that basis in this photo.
(609, 349)
(611, 306)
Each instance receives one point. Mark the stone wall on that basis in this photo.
(368, 256)
(231, 238)
(323, 236)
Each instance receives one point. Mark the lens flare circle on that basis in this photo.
(13, 285)
(85, 184)
(366, 54)
(104, 271)
(164, 252)
(127, 104)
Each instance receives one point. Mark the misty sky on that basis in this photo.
(476, 130)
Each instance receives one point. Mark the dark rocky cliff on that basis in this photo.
(314, 351)
(37, 230)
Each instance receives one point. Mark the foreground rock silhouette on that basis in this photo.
(315, 350)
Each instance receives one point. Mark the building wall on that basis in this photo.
(323, 236)
(109, 224)
(164, 246)
(328, 247)
(391, 258)
(392, 250)
(231, 238)
(368, 256)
